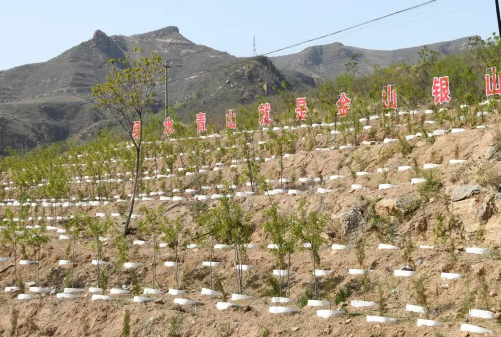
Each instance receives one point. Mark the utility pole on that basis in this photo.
(498, 17)
(166, 66)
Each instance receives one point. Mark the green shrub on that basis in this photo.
(431, 186)
(303, 299)
(405, 147)
(342, 295)
(273, 287)
(126, 324)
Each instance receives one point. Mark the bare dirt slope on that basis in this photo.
(471, 221)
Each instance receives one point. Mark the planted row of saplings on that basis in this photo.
(281, 158)
(288, 243)
(171, 182)
(420, 293)
(97, 170)
(281, 181)
(225, 223)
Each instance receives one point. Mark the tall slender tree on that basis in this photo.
(309, 229)
(173, 236)
(128, 95)
(37, 238)
(150, 226)
(97, 230)
(281, 229)
(13, 234)
(233, 227)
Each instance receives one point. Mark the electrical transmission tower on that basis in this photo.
(254, 51)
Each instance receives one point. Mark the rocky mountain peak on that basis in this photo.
(168, 34)
(101, 40)
(167, 30)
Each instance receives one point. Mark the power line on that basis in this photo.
(350, 28)
(421, 19)
(304, 42)
(301, 37)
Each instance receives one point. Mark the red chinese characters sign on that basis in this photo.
(492, 82)
(136, 129)
(301, 108)
(168, 129)
(200, 120)
(343, 105)
(231, 120)
(264, 113)
(440, 89)
(390, 97)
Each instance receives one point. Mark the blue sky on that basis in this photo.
(35, 31)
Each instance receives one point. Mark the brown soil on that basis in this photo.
(48, 316)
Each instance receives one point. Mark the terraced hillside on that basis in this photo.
(403, 212)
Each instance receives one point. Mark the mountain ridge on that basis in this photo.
(62, 84)
(330, 58)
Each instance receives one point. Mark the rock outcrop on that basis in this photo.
(101, 40)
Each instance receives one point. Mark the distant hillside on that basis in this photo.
(328, 61)
(50, 101)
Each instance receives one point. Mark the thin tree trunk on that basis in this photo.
(314, 275)
(15, 265)
(210, 261)
(281, 166)
(171, 181)
(181, 157)
(281, 266)
(240, 272)
(249, 164)
(153, 269)
(236, 264)
(97, 265)
(38, 268)
(289, 275)
(134, 187)
(177, 268)
(72, 260)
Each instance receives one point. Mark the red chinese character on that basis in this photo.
(492, 83)
(390, 98)
(169, 130)
(440, 89)
(200, 122)
(264, 113)
(231, 120)
(301, 108)
(343, 105)
(136, 129)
